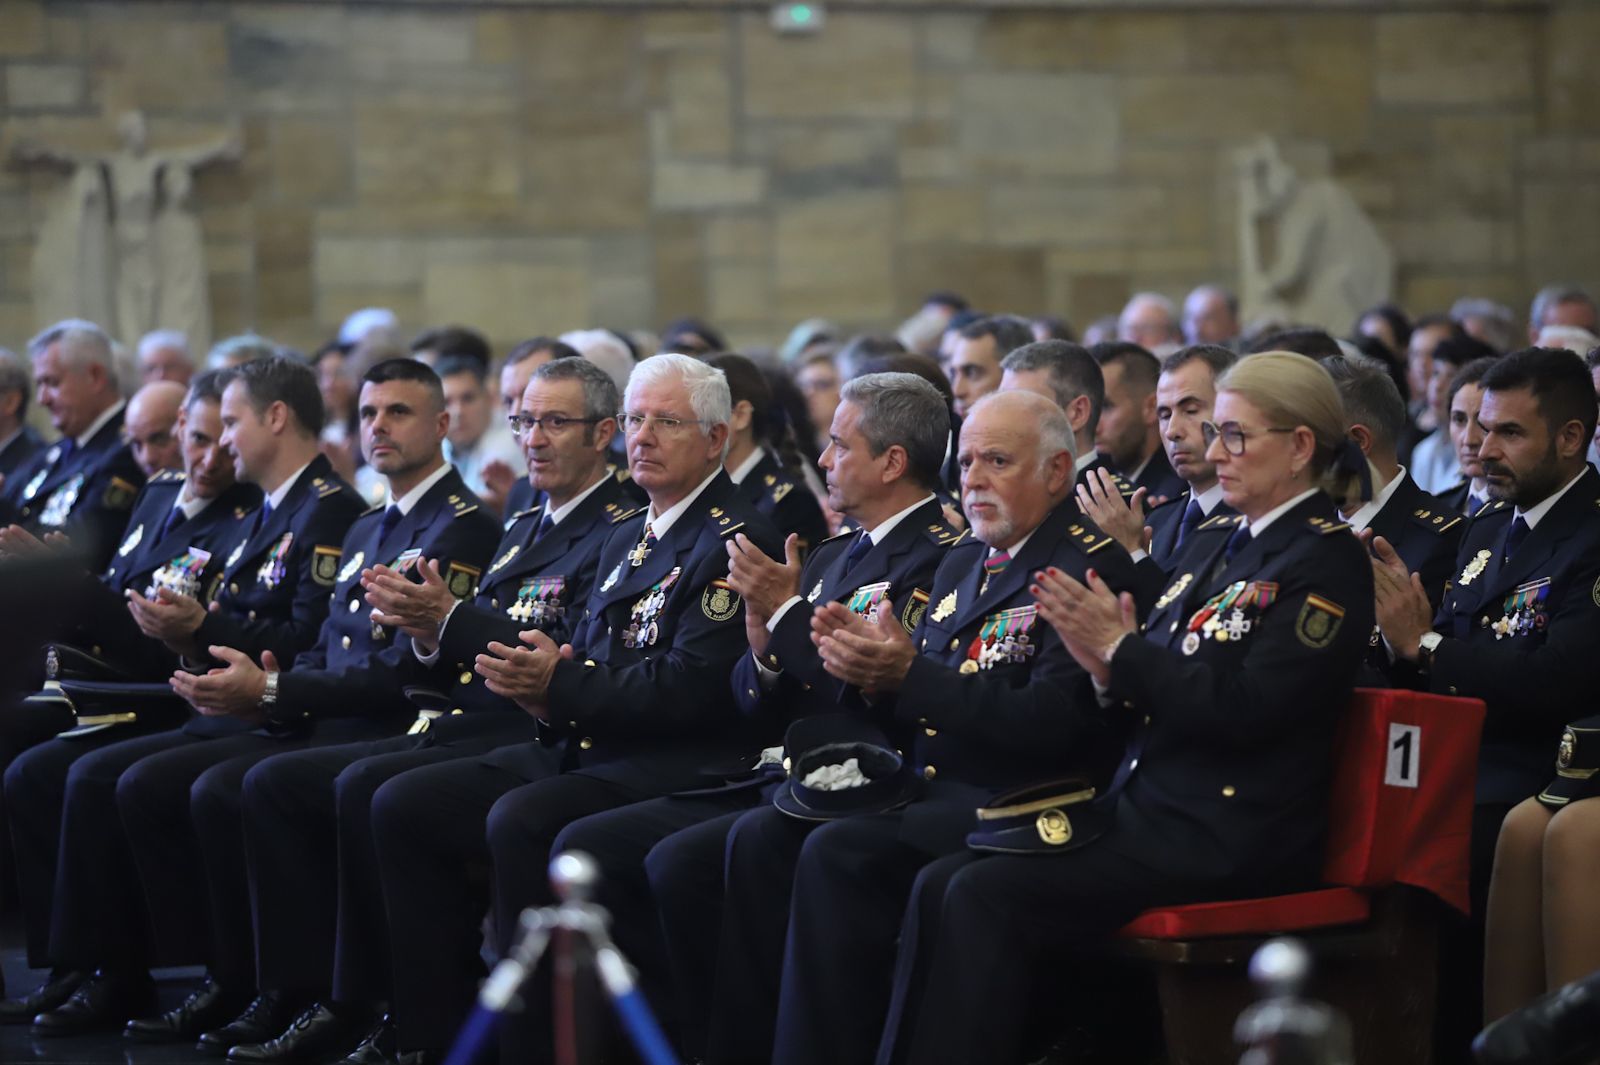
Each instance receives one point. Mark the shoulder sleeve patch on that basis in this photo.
(911, 614)
(325, 564)
(960, 539)
(119, 494)
(460, 579)
(1436, 520)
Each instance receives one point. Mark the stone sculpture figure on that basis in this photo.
(1308, 253)
(123, 245)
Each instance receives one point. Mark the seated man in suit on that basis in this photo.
(19, 441)
(82, 485)
(991, 700)
(882, 468)
(633, 707)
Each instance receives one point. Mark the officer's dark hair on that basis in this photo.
(1305, 340)
(1370, 399)
(903, 409)
(451, 341)
(407, 369)
(458, 364)
(205, 386)
(945, 298)
(768, 422)
(707, 340)
(1559, 381)
(1215, 356)
(16, 377)
(865, 353)
(1458, 349)
(1006, 330)
(1054, 328)
(1070, 370)
(534, 345)
(1592, 359)
(1398, 323)
(1470, 374)
(1139, 366)
(280, 379)
(601, 399)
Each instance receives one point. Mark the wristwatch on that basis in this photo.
(269, 695)
(1428, 644)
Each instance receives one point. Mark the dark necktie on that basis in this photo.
(175, 518)
(1514, 536)
(391, 518)
(67, 445)
(1474, 504)
(263, 513)
(1192, 517)
(858, 550)
(1236, 543)
(545, 526)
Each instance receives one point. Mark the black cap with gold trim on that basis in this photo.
(1577, 765)
(1040, 819)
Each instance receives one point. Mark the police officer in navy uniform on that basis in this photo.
(21, 441)
(1520, 620)
(882, 468)
(182, 527)
(1131, 374)
(1185, 394)
(1466, 435)
(990, 699)
(84, 484)
(640, 707)
(1219, 793)
(320, 933)
(757, 437)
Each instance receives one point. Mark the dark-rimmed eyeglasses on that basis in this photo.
(1233, 435)
(553, 424)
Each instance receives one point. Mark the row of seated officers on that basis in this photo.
(387, 721)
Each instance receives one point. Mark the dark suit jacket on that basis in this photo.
(86, 494)
(1230, 765)
(655, 713)
(1533, 678)
(1158, 477)
(20, 451)
(786, 501)
(352, 669)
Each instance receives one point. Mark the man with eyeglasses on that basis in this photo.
(634, 706)
(314, 878)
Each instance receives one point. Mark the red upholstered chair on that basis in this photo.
(1399, 831)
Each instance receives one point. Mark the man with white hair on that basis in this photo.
(634, 707)
(1562, 305)
(1210, 315)
(84, 485)
(164, 356)
(1151, 321)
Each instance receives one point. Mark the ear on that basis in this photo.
(1059, 474)
(443, 425)
(1149, 406)
(1078, 413)
(1571, 440)
(895, 463)
(1362, 436)
(276, 417)
(716, 438)
(1305, 446)
(604, 430)
(743, 411)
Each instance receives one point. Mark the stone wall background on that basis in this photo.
(530, 170)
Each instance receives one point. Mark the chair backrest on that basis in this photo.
(1401, 809)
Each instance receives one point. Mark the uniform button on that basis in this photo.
(233, 589)
(1147, 719)
(589, 662)
(1227, 791)
(345, 642)
(924, 643)
(572, 724)
(1452, 689)
(355, 604)
(1133, 765)
(751, 692)
(112, 572)
(804, 686)
(608, 630)
(466, 677)
(585, 743)
(930, 732)
(495, 603)
(1173, 627)
(456, 711)
(585, 611)
(251, 615)
(929, 772)
(955, 643)
(1483, 623)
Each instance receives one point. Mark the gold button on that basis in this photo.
(924, 643)
(355, 604)
(112, 572)
(1483, 623)
(585, 743)
(1452, 689)
(589, 662)
(1147, 719)
(345, 643)
(930, 732)
(456, 711)
(466, 678)
(251, 615)
(1227, 791)
(750, 692)
(233, 589)
(1173, 627)
(955, 643)
(929, 772)
(495, 603)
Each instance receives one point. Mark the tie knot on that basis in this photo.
(545, 525)
(1236, 543)
(391, 518)
(996, 562)
(1515, 535)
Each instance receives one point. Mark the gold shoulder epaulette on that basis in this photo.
(328, 488)
(168, 477)
(1495, 506)
(1221, 521)
(519, 515)
(617, 519)
(1124, 486)
(729, 530)
(940, 533)
(961, 539)
(371, 510)
(1438, 521)
(1087, 537)
(1325, 526)
(463, 508)
(847, 534)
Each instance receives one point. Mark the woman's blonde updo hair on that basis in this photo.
(1290, 390)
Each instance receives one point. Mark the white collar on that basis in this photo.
(99, 423)
(570, 505)
(1134, 476)
(1259, 526)
(413, 497)
(886, 526)
(660, 524)
(1372, 507)
(275, 497)
(191, 507)
(1208, 499)
(1084, 461)
(1533, 515)
(751, 461)
(1015, 549)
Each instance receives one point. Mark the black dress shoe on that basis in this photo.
(104, 1001)
(207, 1007)
(316, 1035)
(268, 1014)
(1561, 1027)
(378, 1048)
(42, 999)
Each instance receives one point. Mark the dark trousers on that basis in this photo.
(72, 864)
(433, 863)
(316, 895)
(22, 725)
(658, 857)
(181, 808)
(1461, 958)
